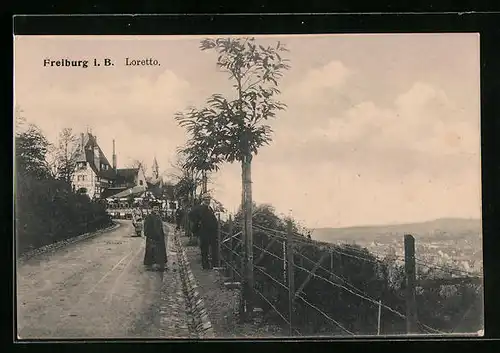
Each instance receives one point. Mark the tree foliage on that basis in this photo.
(64, 161)
(31, 151)
(231, 128)
(184, 189)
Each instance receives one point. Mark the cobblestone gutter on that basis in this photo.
(54, 246)
(200, 324)
(174, 320)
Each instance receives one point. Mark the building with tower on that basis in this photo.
(96, 177)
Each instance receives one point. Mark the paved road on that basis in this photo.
(98, 288)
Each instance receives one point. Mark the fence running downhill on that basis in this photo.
(293, 283)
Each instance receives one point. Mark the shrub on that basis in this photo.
(47, 211)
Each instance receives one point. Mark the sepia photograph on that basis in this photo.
(247, 187)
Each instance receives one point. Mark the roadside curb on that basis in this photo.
(174, 320)
(60, 244)
(200, 321)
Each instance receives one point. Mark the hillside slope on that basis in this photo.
(447, 227)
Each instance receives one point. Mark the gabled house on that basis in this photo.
(91, 165)
(95, 176)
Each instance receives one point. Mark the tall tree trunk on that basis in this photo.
(195, 188)
(246, 167)
(204, 182)
(243, 261)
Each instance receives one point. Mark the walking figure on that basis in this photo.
(205, 228)
(179, 215)
(155, 256)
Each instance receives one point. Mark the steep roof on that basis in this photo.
(110, 192)
(124, 175)
(108, 174)
(127, 173)
(86, 154)
(135, 191)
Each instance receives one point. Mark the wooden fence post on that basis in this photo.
(331, 263)
(243, 286)
(284, 260)
(219, 230)
(291, 279)
(379, 316)
(411, 303)
(230, 245)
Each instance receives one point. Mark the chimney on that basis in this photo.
(114, 156)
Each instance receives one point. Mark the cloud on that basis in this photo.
(422, 123)
(330, 194)
(333, 74)
(318, 83)
(145, 104)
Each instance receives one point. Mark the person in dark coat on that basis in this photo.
(205, 228)
(156, 253)
(179, 215)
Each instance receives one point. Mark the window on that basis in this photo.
(82, 191)
(140, 182)
(82, 165)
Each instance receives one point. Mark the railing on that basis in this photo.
(126, 213)
(284, 283)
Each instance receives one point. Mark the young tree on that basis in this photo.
(64, 162)
(184, 190)
(234, 128)
(199, 161)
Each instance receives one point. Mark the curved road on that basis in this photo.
(96, 288)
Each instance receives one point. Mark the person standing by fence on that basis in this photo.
(205, 228)
(155, 256)
(179, 216)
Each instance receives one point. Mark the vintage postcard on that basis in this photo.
(248, 186)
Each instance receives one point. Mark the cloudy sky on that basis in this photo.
(379, 128)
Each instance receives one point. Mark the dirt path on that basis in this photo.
(98, 288)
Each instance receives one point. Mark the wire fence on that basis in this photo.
(293, 282)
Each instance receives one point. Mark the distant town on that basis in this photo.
(455, 243)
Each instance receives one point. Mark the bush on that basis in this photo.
(47, 211)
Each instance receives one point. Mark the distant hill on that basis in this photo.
(449, 227)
